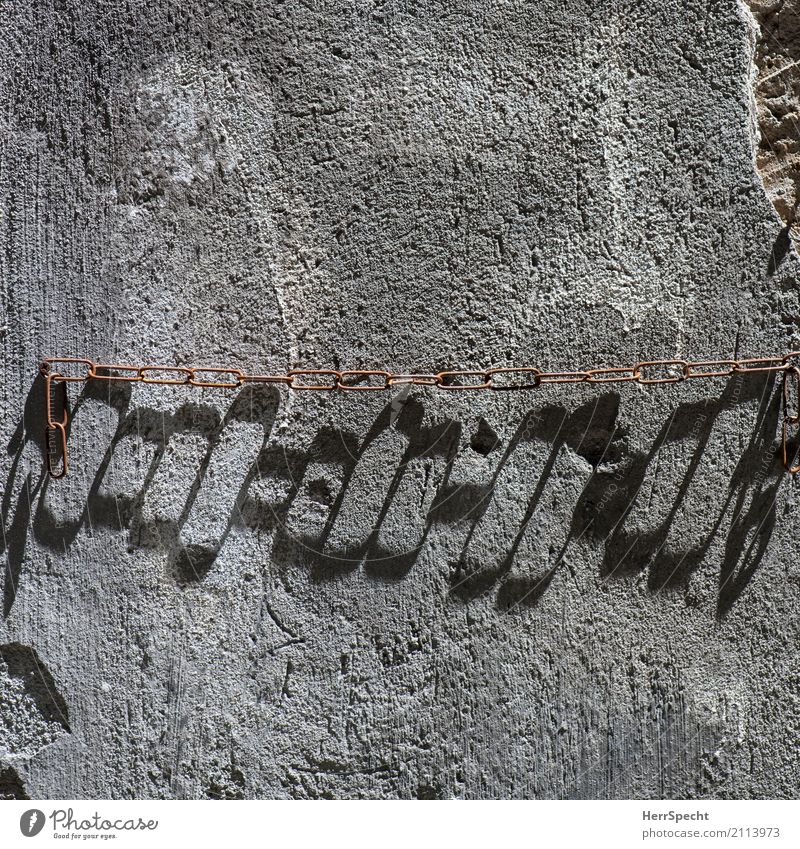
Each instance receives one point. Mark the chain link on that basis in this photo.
(645, 372)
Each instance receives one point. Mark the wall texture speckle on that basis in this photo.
(578, 591)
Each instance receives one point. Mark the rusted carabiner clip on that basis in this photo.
(790, 417)
(55, 468)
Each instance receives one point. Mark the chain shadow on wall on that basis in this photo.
(750, 499)
(314, 506)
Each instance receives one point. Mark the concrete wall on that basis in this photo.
(579, 591)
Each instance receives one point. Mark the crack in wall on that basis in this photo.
(776, 90)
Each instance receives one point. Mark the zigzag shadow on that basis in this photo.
(589, 431)
(752, 488)
(601, 511)
(125, 512)
(17, 522)
(336, 447)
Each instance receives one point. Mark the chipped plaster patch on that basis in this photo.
(776, 89)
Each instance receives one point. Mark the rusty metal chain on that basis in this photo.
(63, 370)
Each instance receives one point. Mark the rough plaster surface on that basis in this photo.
(573, 592)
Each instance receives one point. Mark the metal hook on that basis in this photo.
(790, 418)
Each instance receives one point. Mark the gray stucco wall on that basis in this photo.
(572, 592)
